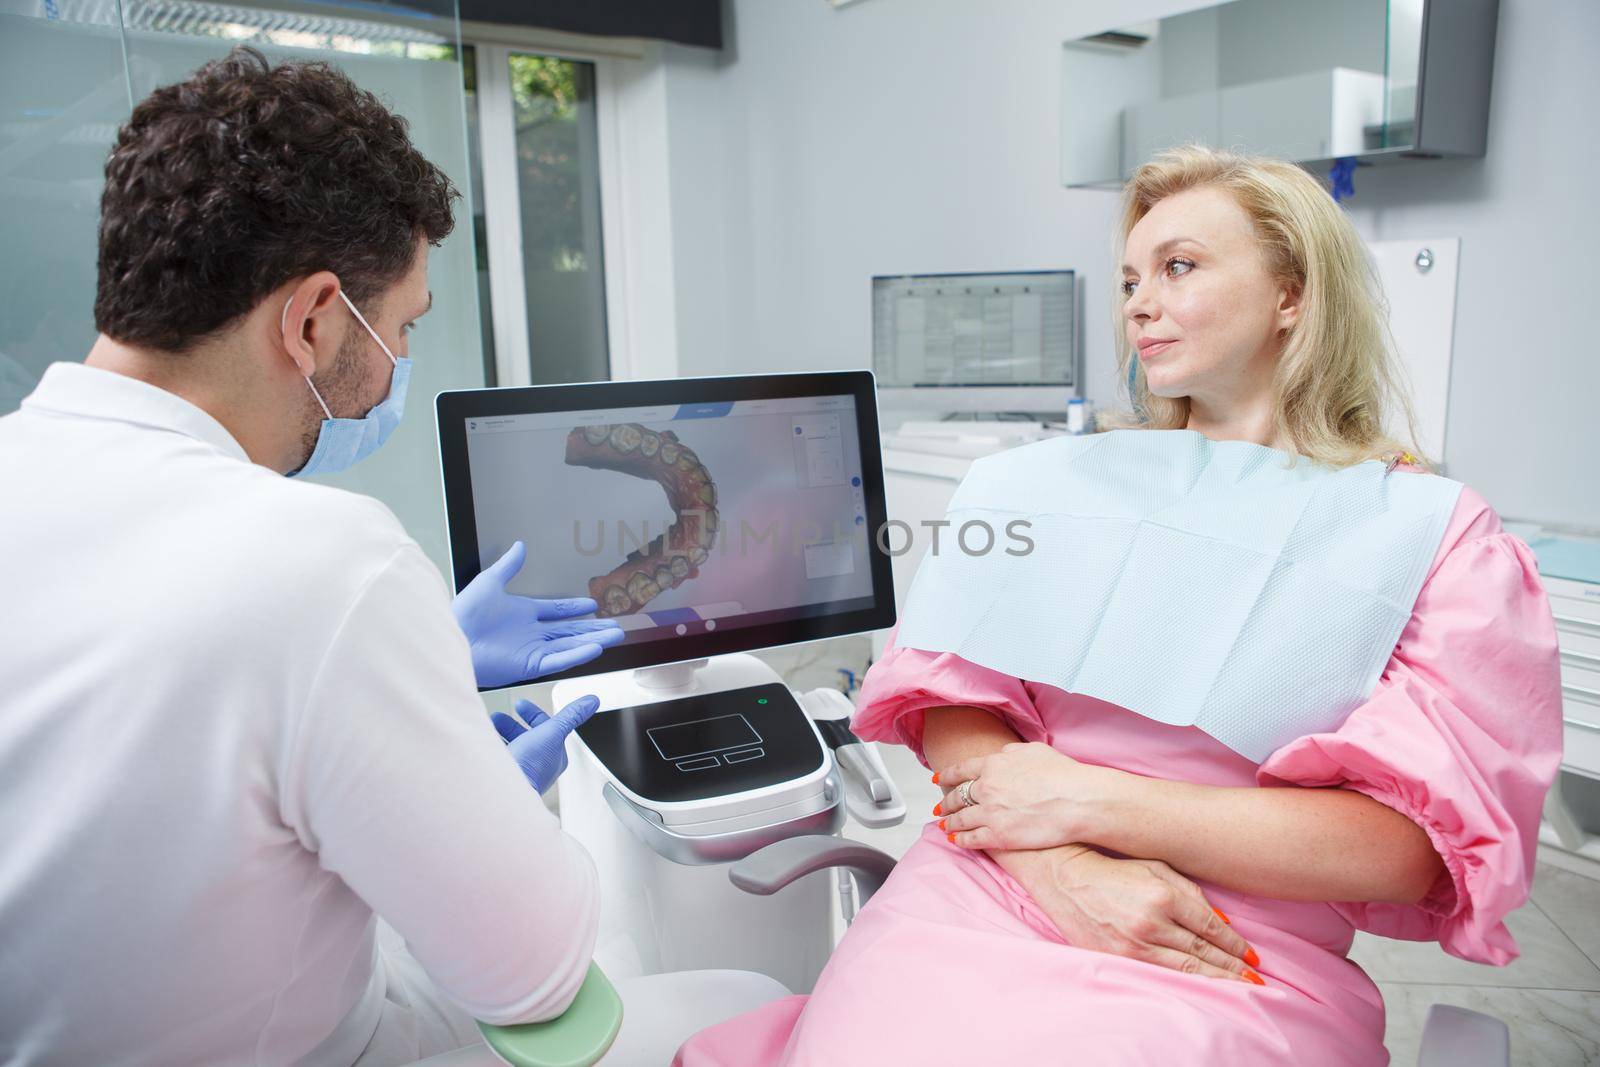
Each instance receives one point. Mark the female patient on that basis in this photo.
(1107, 885)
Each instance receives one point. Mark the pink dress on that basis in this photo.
(953, 962)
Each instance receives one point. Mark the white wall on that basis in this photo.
(824, 146)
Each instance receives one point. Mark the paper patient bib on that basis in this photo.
(1195, 582)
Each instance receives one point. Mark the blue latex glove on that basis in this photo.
(540, 747)
(517, 638)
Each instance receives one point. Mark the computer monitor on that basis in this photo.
(976, 342)
(706, 515)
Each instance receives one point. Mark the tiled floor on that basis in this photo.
(1550, 997)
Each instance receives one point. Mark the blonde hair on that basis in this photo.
(1338, 370)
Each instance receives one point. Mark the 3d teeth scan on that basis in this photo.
(675, 556)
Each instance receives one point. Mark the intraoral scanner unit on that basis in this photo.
(710, 517)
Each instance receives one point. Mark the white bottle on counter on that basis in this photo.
(1076, 415)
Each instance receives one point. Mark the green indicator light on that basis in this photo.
(761, 700)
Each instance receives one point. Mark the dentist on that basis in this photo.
(238, 721)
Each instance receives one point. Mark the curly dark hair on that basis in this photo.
(223, 187)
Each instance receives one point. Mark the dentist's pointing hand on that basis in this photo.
(540, 747)
(518, 638)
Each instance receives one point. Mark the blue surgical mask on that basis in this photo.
(342, 443)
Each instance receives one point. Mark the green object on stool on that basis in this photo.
(577, 1037)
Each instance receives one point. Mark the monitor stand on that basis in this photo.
(668, 681)
(669, 676)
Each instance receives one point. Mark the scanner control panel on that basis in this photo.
(706, 745)
(701, 744)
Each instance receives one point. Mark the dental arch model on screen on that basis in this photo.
(675, 556)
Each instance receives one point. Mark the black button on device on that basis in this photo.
(698, 764)
(743, 754)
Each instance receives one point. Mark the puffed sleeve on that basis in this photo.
(906, 682)
(1463, 736)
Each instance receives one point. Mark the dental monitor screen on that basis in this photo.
(721, 515)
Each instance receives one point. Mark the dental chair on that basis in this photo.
(584, 1035)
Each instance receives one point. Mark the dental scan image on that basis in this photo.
(682, 518)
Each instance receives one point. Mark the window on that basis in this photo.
(69, 74)
(536, 119)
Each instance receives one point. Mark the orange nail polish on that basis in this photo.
(942, 826)
(951, 837)
(1251, 958)
(935, 777)
(937, 808)
(1251, 976)
(1221, 916)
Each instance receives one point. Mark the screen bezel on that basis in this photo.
(453, 408)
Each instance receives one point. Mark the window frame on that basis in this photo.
(497, 162)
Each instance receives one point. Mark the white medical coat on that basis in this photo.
(236, 719)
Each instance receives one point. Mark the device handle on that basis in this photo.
(869, 791)
(769, 869)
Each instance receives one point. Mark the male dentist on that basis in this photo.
(237, 716)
